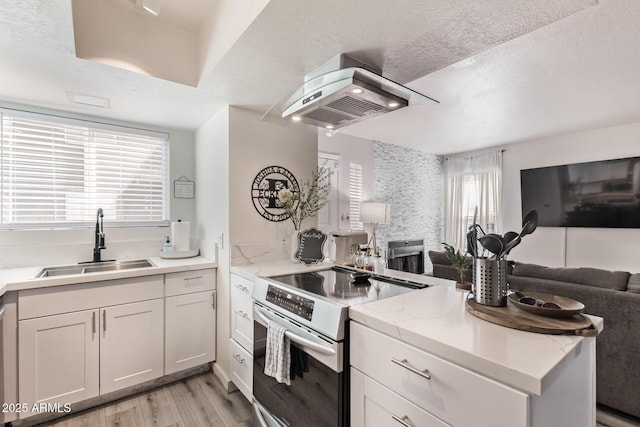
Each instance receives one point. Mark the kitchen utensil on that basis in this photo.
(508, 237)
(493, 243)
(472, 247)
(530, 223)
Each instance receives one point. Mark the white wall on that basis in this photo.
(614, 249)
(255, 145)
(212, 216)
(231, 148)
(50, 247)
(349, 149)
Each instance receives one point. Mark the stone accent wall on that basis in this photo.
(412, 182)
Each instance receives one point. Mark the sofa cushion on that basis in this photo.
(634, 283)
(616, 280)
(438, 258)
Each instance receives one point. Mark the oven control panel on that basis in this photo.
(291, 302)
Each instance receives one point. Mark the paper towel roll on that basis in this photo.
(180, 236)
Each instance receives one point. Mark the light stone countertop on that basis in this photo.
(15, 279)
(435, 320)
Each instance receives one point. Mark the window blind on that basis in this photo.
(355, 195)
(57, 172)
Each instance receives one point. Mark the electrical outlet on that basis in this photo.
(220, 240)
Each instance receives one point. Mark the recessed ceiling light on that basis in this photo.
(84, 99)
(151, 11)
(329, 126)
(296, 118)
(357, 90)
(393, 104)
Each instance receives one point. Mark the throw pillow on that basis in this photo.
(634, 283)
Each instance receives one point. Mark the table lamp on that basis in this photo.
(375, 213)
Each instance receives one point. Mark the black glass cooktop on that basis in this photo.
(347, 286)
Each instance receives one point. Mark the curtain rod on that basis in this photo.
(475, 157)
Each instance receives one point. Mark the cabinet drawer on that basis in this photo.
(450, 392)
(187, 282)
(242, 312)
(373, 405)
(241, 288)
(242, 369)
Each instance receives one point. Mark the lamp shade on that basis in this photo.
(375, 212)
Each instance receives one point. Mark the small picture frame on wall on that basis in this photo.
(183, 188)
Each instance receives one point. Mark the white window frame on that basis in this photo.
(95, 138)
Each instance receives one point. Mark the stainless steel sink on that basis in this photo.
(93, 267)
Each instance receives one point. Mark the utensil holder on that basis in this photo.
(490, 281)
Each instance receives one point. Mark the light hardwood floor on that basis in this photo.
(193, 402)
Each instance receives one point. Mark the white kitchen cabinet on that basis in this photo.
(190, 319)
(373, 405)
(190, 330)
(442, 389)
(242, 334)
(59, 358)
(131, 343)
(80, 341)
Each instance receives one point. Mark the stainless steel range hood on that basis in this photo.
(345, 91)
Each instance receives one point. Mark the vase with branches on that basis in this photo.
(306, 202)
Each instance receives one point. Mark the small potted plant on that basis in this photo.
(461, 262)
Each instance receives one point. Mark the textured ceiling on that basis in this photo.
(503, 72)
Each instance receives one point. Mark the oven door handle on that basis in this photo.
(297, 338)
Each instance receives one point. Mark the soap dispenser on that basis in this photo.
(168, 246)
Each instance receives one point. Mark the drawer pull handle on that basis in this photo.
(405, 364)
(243, 288)
(238, 358)
(404, 420)
(193, 278)
(242, 314)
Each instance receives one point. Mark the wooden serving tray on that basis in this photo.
(513, 317)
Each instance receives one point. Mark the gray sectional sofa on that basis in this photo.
(614, 296)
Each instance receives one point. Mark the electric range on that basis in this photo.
(313, 307)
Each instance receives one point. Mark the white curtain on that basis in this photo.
(472, 182)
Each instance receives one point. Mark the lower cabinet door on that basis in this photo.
(374, 405)
(58, 358)
(190, 331)
(131, 347)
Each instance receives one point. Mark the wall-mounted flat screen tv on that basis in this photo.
(602, 194)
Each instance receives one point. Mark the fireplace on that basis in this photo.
(406, 255)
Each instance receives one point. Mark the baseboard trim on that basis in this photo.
(228, 385)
